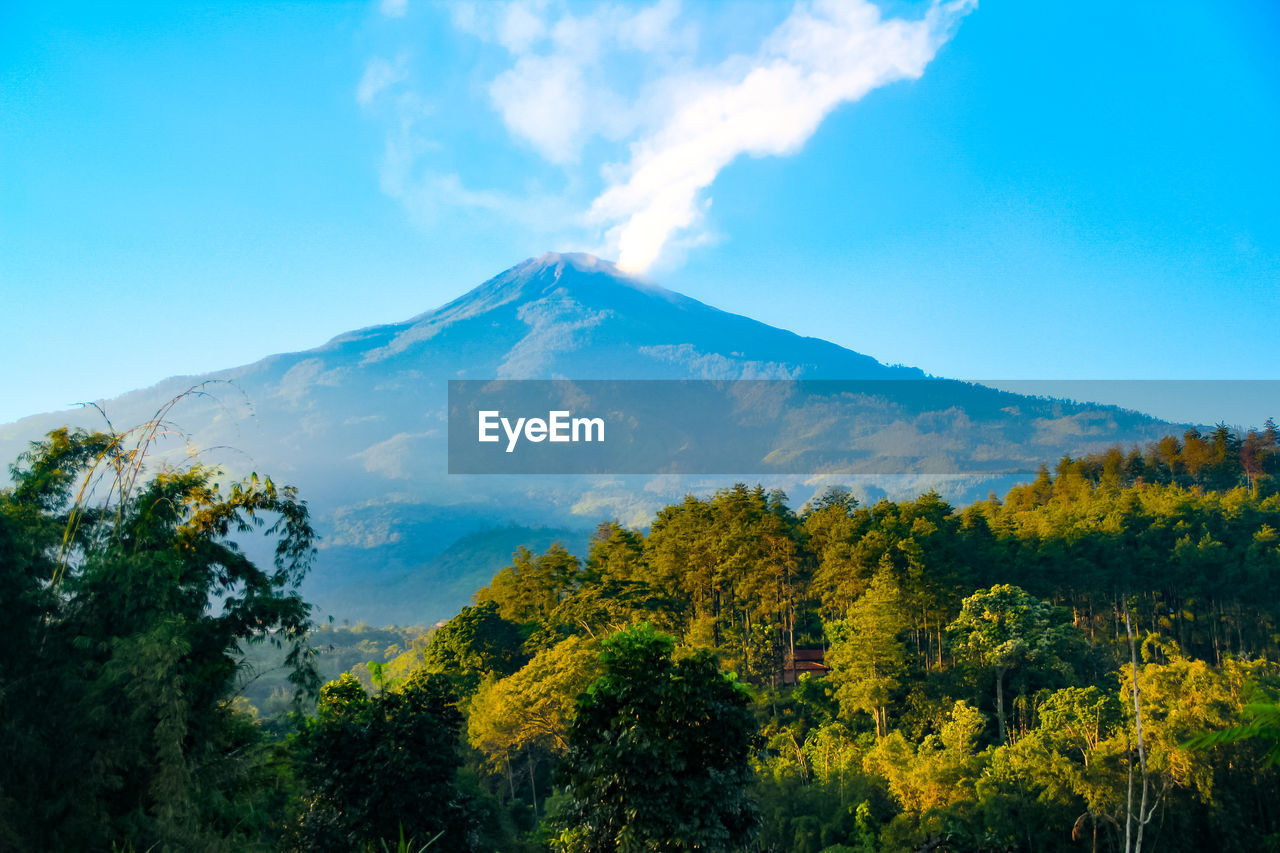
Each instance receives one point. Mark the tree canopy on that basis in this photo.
(126, 601)
(659, 753)
(378, 768)
(1091, 661)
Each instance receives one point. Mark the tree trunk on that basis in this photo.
(1000, 704)
(1143, 817)
(533, 788)
(791, 626)
(1128, 810)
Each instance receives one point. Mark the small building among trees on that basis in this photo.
(804, 660)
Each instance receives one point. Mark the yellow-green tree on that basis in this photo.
(529, 712)
(531, 587)
(866, 655)
(935, 775)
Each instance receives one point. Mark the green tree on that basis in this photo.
(126, 602)
(379, 767)
(1003, 628)
(475, 643)
(866, 655)
(616, 553)
(1263, 726)
(1070, 771)
(659, 754)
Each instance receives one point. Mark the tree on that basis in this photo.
(531, 587)
(1144, 815)
(934, 775)
(1174, 698)
(530, 711)
(381, 767)
(475, 643)
(123, 625)
(616, 553)
(834, 499)
(866, 655)
(1005, 627)
(659, 753)
(1263, 726)
(1067, 772)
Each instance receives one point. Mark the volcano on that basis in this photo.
(359, 425)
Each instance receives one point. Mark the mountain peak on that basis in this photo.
(583, 276)
(574, 314)
(576, 271)
(580, 261)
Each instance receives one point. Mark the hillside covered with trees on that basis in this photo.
(1091, 662)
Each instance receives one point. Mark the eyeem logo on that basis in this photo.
(921, 431)
(559, 426)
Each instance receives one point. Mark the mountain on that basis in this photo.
(359, 425)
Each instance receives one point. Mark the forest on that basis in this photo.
(1090, 662)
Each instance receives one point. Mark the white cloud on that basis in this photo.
(621, 99)
(521, 26)
(542, 99)
(379, 75)
(557, 94)
(826, 53)
(652, 28)
(394, 8)
(399, 457)
(428, 196)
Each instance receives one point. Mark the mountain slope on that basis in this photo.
(358, 424)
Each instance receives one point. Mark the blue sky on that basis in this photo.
(1013, 190)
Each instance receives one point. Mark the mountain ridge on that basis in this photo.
(359, 423)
